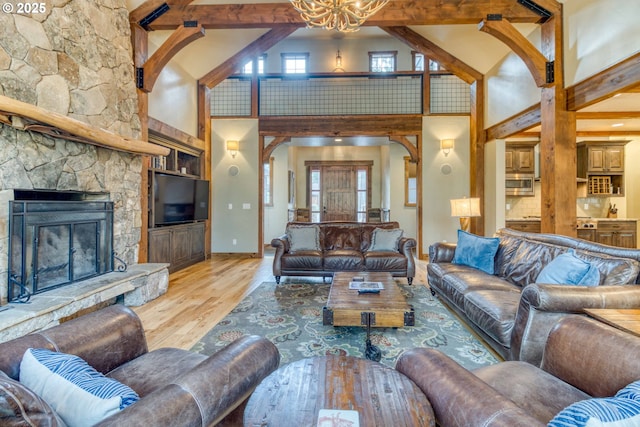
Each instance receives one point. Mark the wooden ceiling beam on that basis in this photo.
(426, 47)
(176, 41)
(621, 77)
(535, 61)
(254, 49)
(607, 115)
(149, 6)
(395, 13)
(526, 119)
(333, 126)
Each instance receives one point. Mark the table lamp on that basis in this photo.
(465, 209)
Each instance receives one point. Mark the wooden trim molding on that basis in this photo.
(27, 117)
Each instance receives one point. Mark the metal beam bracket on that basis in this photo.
(190, 24)
(536, 8)
(494, 17)
(160, 10)
(550, 74)
(139, 77)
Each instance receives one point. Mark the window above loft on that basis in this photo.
(295, 63)
(383, 62)
(248, 67)
(417, 61)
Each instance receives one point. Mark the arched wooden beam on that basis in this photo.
(408, 145)
(266, 153)
(521, 46)
(176, 41)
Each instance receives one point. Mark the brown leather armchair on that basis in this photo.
(583, 358)
(176, 387)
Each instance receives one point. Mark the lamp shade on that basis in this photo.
(446, 144)
(465, 207)
(232, 145)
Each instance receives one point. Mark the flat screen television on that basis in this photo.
(179, 199)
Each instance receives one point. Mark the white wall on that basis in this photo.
(598, 34)
(437, 187)
(406, 216)
(236, 223)
(494, 195)
(275, 217)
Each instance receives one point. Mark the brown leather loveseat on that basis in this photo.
(583, 359)
(342, 246)
(176, 387)
(512, 312)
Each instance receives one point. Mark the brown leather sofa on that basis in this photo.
(513, 313)
(343, 246)
(583, 358)
(176, 387)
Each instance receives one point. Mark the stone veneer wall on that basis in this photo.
(75, 59)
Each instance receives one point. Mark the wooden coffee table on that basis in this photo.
(626, 319)
(294, 394)
(346, 307)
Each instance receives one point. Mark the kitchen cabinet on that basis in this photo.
(519, 158)
(601, 164)
(526, 226)
(587, 234)
(617, 233)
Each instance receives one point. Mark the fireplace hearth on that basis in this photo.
(57, 238)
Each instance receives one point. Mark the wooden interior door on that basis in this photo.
(339, 193)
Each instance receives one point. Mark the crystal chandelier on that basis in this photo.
(341, 15)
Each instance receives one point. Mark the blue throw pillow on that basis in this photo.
(78, 393)
(632, 391)
(569, 269)
(602, 412)
(475, 251)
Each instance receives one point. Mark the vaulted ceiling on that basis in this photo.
(230, 23)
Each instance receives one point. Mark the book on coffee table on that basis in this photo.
(366, 286)
(338, 417)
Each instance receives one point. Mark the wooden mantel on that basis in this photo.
(27, 117)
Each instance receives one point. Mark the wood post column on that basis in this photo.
(557, 141)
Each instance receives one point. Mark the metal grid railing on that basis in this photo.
(448, 94)
(327, 95)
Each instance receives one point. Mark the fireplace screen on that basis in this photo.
(54, 243)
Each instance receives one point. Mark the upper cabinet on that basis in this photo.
(519, 158)
(601, 163)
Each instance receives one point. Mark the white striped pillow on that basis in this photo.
(599, 412)
(78, 393)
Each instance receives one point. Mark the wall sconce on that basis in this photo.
(446, 145)
(338, 62)
(232, 148)
(465, 209)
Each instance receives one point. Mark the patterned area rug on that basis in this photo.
(290, 315)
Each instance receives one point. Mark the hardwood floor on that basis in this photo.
(203, 294)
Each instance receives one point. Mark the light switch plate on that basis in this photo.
(246, 206)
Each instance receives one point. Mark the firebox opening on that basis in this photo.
(57, 238)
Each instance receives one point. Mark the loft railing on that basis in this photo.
(338, 94)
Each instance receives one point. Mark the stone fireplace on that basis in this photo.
(74, 60)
